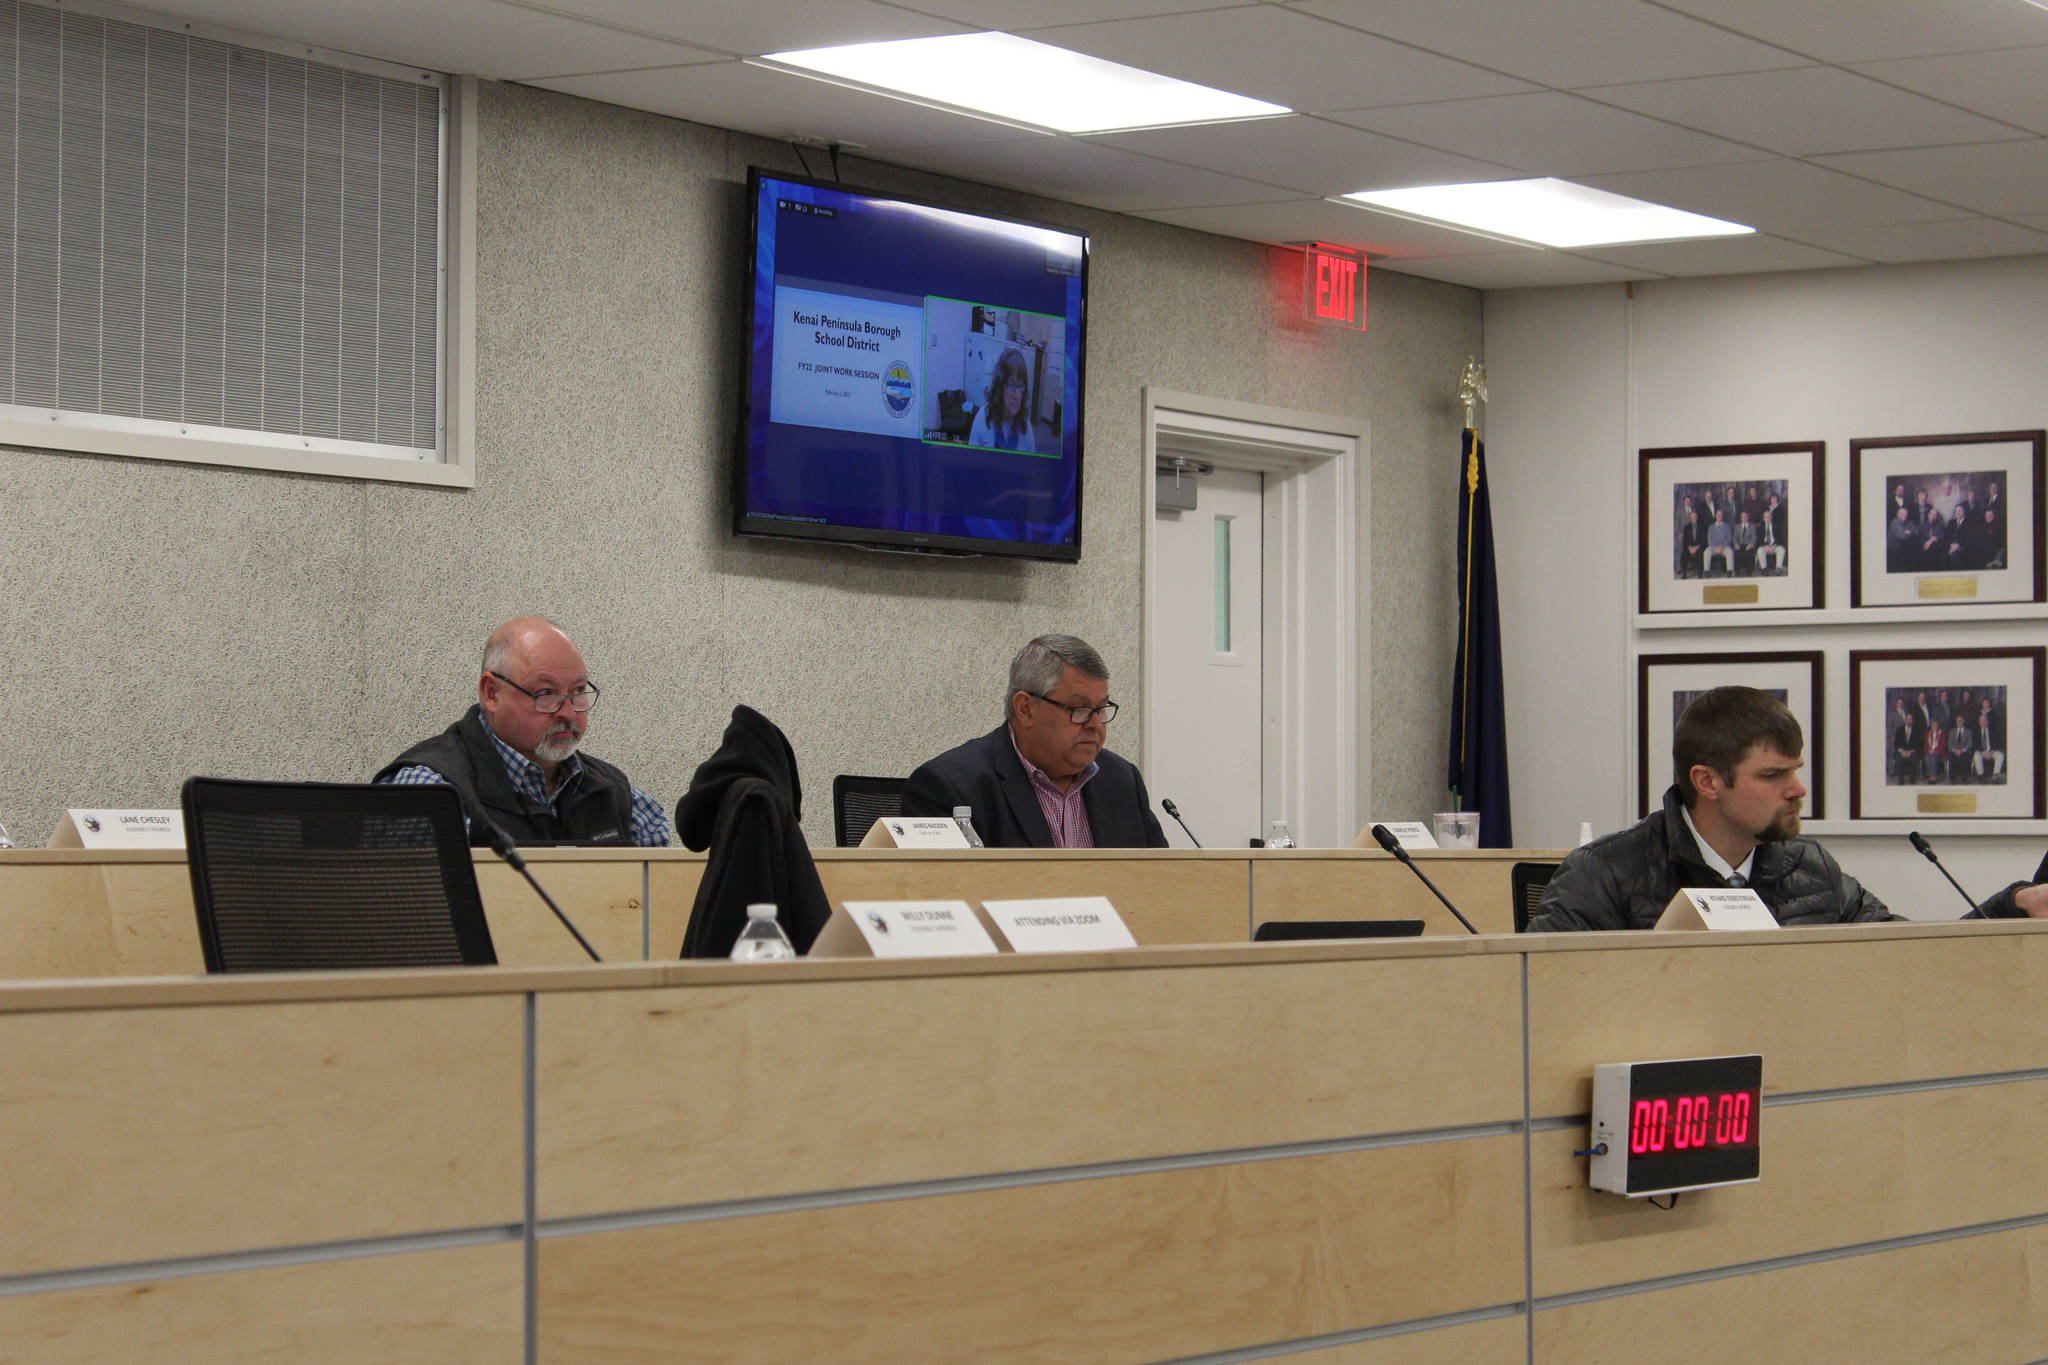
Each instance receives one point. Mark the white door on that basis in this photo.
(1208, 702)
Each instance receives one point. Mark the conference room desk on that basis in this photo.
(68, 913)
(1335, 1154)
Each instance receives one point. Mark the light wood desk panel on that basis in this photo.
(1125, 1269)
(1827, 1008)
(86, 914)
(267, 1118)
(603, 897)
(1969, 1299)
(1164, 897)
(1835, 1173)
(460, 1304)
(1328, 884)
(75, 915)
(673, 875)
(1495, 1341)
(651, 1099)
(136, 1135)
(90, 914)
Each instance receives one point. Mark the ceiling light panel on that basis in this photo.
(1549, 212)
(1016, 80)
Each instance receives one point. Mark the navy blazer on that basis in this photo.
(987, 775)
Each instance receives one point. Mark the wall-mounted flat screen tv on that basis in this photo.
(913, 375)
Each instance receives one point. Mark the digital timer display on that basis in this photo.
(1676, 1125)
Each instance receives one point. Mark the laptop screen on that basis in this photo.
(1284, 930)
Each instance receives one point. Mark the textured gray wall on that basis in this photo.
(190, 619)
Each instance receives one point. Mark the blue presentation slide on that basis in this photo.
(912, 369)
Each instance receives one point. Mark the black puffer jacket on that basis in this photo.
(744, 805)
(1625, 880)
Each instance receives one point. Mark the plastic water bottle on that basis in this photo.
(1585, 833)
(963, 816)
(1278, 837)
(762, 940)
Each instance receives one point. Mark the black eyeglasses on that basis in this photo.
(580, 698)
(1080, 715)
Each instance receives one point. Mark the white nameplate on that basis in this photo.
(1069, 924)
(1409, 834)
(1717, 907)
(903, 929)
(901, 831)
(119, 829)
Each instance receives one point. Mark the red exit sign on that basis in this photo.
(1333, 286)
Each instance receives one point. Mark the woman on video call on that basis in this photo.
(1005, 419)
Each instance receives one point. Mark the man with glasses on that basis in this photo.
(1042, 779)
(514, 755)
(1730, 820)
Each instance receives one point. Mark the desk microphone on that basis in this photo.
(1927, 852)
(501, 844)
(1392, 845)
(1173, 810)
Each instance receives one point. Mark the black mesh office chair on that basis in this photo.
(319, 876)
(857, 802)
(1528, 881)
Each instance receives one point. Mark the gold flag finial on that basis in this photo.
(1472, 391)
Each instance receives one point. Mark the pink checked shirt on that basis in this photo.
(1064, 813)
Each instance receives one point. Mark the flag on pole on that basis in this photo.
(1479, 727)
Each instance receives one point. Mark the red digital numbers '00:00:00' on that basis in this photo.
(1690, 1121)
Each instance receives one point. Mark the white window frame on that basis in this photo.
(99, 434)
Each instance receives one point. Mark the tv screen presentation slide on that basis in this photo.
(913, 372)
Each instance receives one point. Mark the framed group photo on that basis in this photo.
(1667, 683)
(1946, 519)
(1945, 733)
(1731, 528)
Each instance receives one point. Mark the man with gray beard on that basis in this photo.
(513, 756)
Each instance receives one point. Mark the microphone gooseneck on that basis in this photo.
(1166, 804)
(1926, 850)
(501, 844)
(1386, 840)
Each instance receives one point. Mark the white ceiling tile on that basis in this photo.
(1813, 110)
(1955, 240)
(1275, 54)
(1522, 270)
(1866, 30)
(1307, 155)
(1010, 17)
(1087, 173)
(759, 26)
(2010, 85)
(1999, 178)
(468, 37)
(1564, 43)
(1722, 256)
(1551, 133)
(1779, 196)
(1454, 103)
(774, 104)
(1319, 220)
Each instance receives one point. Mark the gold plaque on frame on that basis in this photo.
(1728, 594)
(1948, 803)
(1946, 589)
